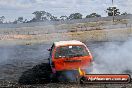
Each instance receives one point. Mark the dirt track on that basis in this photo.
(59, 85)
(16, 59)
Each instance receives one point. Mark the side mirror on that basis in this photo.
(49, 49)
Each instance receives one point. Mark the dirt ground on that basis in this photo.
(16, 59)
(59, 85)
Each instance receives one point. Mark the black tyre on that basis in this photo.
(37, 75)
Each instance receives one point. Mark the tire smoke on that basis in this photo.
(113, 58)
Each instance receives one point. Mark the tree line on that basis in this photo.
(41, 16)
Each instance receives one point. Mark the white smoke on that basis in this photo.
(113, 58)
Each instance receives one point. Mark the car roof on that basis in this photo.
(71, 42)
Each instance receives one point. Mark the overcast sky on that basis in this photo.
(13, 9)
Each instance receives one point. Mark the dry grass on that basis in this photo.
(80, 31)
(95, 35)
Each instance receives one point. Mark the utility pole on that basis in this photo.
(113, 14)
(113, 11)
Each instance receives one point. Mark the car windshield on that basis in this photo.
(71, 51)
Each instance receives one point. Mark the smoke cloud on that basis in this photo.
(113, 58)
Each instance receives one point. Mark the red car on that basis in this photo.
(69, 58)
(70, 55)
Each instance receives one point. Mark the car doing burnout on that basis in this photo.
(69, 56)
(68, 62)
